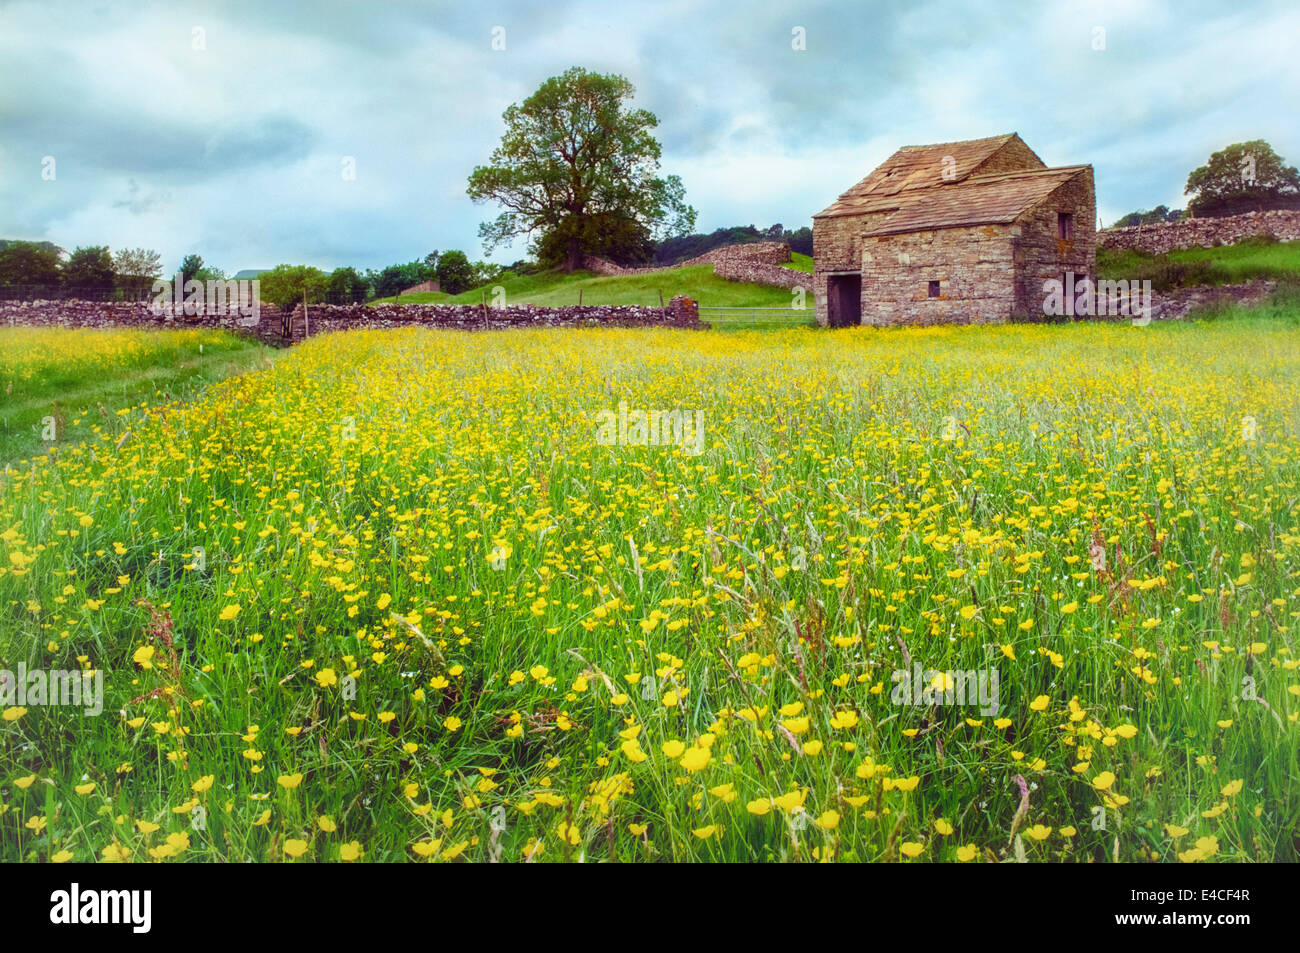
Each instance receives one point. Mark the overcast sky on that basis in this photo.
(221, 128)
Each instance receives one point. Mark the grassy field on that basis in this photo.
(556, 288)
(399, 596)
(62, 387)
(746, 320)
(1229, 264)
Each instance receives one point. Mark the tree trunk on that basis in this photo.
(574, 261)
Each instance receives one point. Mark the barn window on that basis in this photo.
(1065, 225)
(934, 289)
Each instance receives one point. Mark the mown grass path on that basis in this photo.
(70, 383)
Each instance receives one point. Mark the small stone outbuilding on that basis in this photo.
(422, 286)
(953, 233)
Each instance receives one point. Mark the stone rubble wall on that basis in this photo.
(680, 312)
(761, 273)
(757, 262)
(1283, 224)
(767, 253)
(1178, 302)
(78, 313)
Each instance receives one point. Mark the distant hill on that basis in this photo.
(250, 273)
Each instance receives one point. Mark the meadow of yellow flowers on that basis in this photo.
(391, 598)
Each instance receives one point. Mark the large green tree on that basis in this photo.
(90, 268)
(29, 263)
(608, 234)
(210, 273)
(191, 265)
(455, 273)
(346, 286)
(1244, 177)
(286, 285)
(136, 269)
(396, 278)
(575, 159)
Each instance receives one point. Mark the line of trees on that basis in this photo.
(1155, 216)
(452, 269)
(131, 272)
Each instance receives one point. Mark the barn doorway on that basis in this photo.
(844, 300)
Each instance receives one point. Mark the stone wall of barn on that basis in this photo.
(837, 246)
(1203, 232)
(1040, 256)
(269, 326)
(973, 265)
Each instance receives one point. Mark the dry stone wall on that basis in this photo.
(680, 312)
(756, 262)
(76, 313)
(1203, 232)
(767, 253)
(761, 273)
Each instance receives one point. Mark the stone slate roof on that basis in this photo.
(913, 168)
(911, 185)
(979, 200)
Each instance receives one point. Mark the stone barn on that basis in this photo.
(954, 233)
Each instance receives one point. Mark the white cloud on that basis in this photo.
(234, 151)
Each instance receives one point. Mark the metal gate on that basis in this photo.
(723, 318)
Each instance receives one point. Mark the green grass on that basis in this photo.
(1282, 306)
(438, 617)
(555, 288)
(800, 262)
(75, 384)
(760, 320)
(1228, 264)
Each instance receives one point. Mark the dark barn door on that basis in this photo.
(844, 300)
